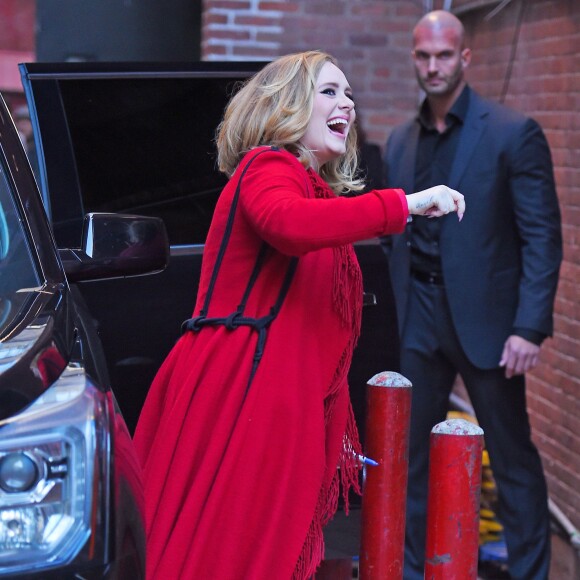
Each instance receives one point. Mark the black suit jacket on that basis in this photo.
(501, 263)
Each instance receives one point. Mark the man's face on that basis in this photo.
(439, 60)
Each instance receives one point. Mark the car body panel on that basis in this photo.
(48, 342)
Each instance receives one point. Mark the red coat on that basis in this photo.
(238, 487)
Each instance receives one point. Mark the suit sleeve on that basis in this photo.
(274, 200)
(537, 217)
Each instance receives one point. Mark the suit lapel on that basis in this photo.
(475, 123)
(407, 168)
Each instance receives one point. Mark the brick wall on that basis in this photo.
(16, 45)
(17, 25)
(372, 41)
(545, 83)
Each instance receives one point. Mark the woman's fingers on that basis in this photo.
(437, 201)
(455, 204)
(459, 200)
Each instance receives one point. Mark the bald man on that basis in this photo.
(475, 297)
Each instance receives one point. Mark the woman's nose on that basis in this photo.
(346, 103)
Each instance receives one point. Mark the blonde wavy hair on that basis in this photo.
(274, 108)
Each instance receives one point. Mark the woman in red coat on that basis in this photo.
(247, 433)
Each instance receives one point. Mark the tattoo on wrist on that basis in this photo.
(423, 204)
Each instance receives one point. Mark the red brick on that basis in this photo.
(281, 6)
(230, 34)
(252, 20)
(326, 8)
(253, 52)
(214, 49)
(409, 9)
(214, 18)
(262, 36)
(371, 10)
(368, 40)
(227, 5)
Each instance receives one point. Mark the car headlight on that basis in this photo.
(51, 467)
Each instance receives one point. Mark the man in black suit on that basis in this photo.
(475, 297)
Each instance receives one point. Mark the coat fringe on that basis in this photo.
(347, 302)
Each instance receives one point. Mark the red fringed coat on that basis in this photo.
(240, 480)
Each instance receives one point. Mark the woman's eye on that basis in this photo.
(328, 92)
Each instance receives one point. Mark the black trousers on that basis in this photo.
(431, 356)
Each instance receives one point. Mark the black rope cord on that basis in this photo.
(237, 318)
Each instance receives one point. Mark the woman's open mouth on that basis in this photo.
(338, 125)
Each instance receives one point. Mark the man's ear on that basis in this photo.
(465, 57)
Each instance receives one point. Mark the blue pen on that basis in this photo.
(367, 460)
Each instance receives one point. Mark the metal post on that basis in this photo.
(385, 485)
(453, 500)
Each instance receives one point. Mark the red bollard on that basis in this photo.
(453, 501)
(385, 485)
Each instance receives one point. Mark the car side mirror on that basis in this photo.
(117, 246)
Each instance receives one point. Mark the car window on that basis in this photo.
(18, 271)
(146, 146)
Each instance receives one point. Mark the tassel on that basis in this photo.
(312, 552)
(347, 303)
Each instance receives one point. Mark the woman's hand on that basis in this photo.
(436, 201)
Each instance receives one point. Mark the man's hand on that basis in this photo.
(519, 356)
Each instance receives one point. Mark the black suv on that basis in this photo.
(71, 498)
(115, 139)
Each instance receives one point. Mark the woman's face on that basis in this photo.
(332, 116)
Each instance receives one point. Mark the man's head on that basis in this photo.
(440, 55)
